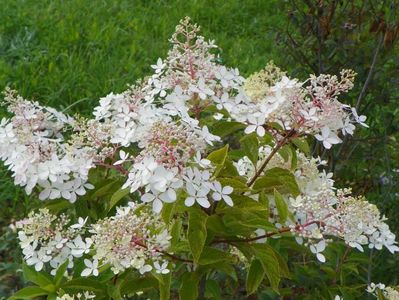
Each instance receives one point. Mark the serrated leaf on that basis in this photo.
(255, 276)
(197, 232)
(281, 206)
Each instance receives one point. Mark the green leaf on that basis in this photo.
(105, 188)
(277, 178)
(270, 263)
(117, 196)
(302, 145)
(189, 286)
(235, 183)
(266, 255)
(52, 296)
(164, 285)
(175, 232)
(225, 128)
(264, 200)
(285, 152)
(84, 284)
(212, 290)
(167, 212)
(218, 158)
(211, 255)
(60, 273)
(250, 146)
(55, 206)
(38, 278)
(281, 206)
(228, 170)
(197, 232)
(294, 159)
(137, 284)
(255, 276)
(29, 292)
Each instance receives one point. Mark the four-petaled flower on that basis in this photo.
(222, 193)
(91, 268)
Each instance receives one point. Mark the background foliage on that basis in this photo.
(67, 54)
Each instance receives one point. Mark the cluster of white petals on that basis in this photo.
(379, 289)
(47, 238)
(33, 146)
(310, 107)
(321, 211)
(133, 238)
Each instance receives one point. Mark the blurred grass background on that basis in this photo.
(68, 54)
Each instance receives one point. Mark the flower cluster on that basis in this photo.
(47, 238)
(321, 211)
(311, 107)
(32, 145)
(379, 289)
(133, 238)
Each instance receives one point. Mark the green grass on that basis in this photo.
(67, 54)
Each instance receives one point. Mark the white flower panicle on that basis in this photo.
(47, 238)
(133, 238)
(321, 211)
(33, 146)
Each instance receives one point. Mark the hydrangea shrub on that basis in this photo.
(184, 180)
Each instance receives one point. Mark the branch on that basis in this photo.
(371, 72)
(119, 168)
(174, 257)
(281, 230)
(274, 151)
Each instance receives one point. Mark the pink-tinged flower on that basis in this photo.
(159, 66)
